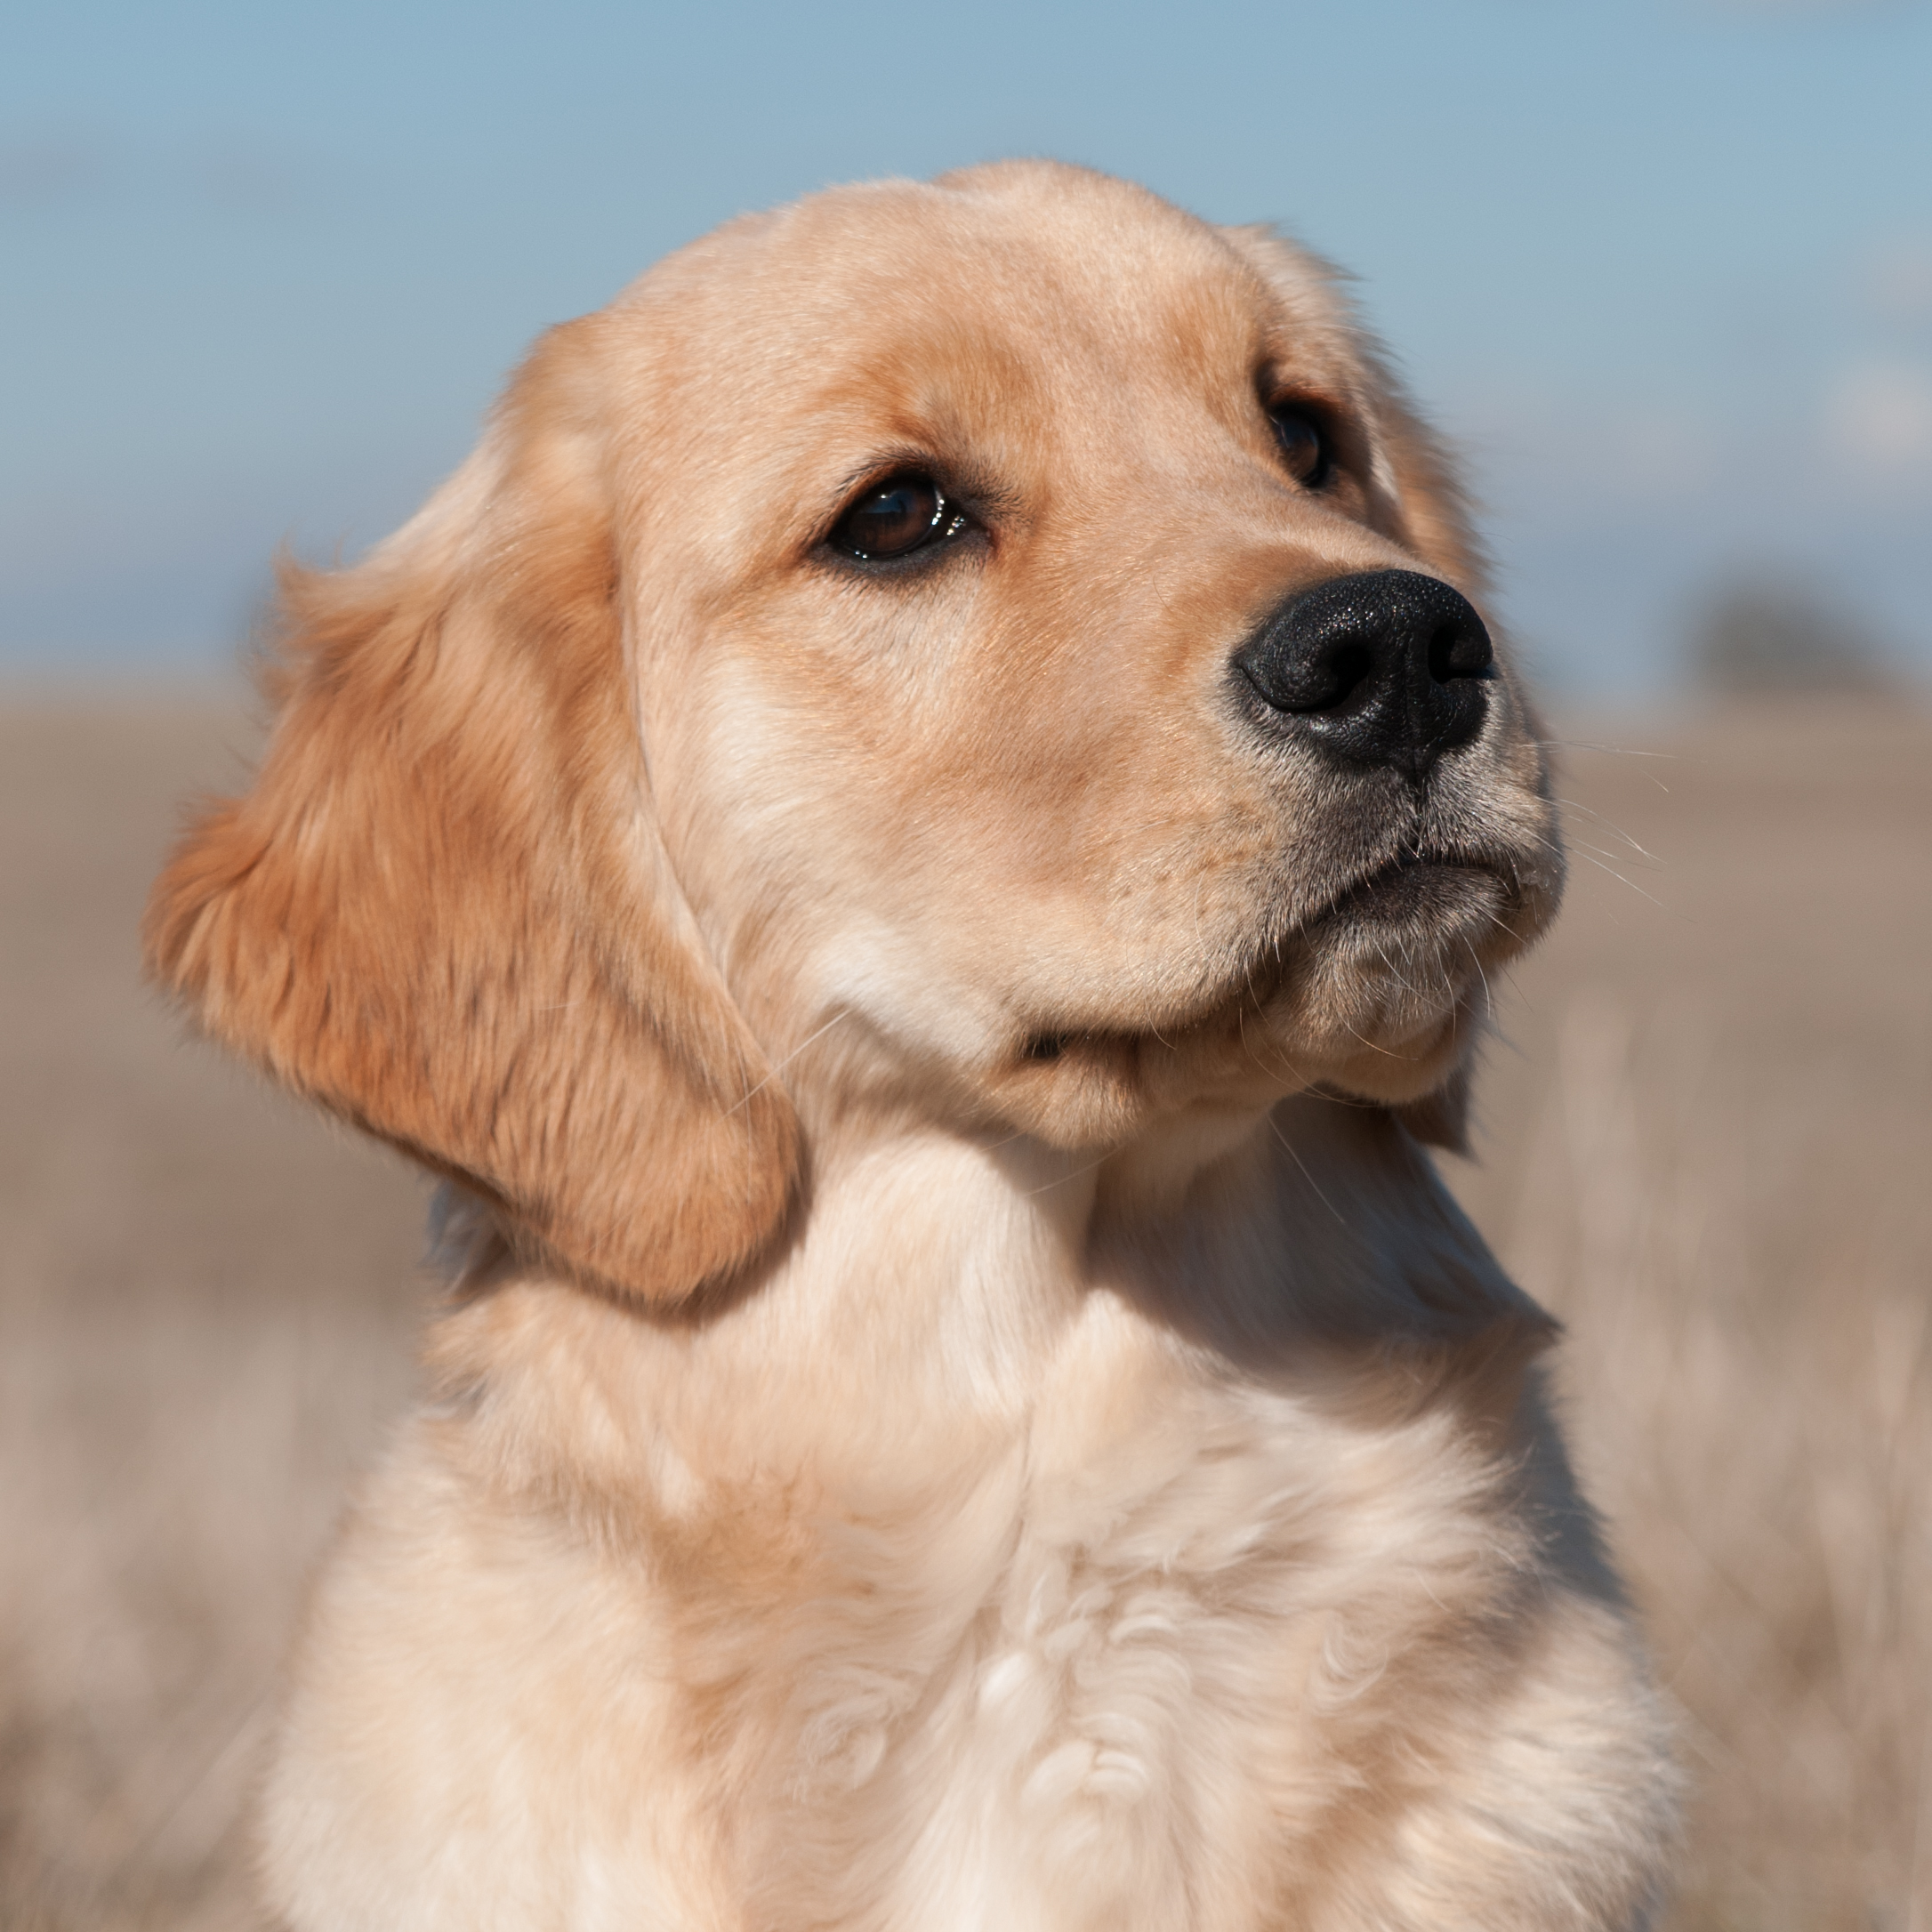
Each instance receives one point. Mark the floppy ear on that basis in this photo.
(444, 910)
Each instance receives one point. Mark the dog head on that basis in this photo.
(1000, 647)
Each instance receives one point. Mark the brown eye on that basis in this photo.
(894, 517)
(1303, 446)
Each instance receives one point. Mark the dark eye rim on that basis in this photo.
(1318, 417)
(949, 519)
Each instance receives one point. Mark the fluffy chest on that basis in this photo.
(1126, 1699)
(1186, 1651)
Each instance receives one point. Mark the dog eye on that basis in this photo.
(1303, 446)
(895, 518)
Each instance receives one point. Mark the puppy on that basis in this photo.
(919, 832)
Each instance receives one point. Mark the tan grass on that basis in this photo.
(1721, 1179)
(1711, 1150)
(1752, 1403)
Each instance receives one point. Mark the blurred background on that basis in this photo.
(1663, 268)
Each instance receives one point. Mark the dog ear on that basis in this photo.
(444, 911)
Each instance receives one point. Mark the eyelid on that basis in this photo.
(879, 470)
(1322, 415)
(964, 482)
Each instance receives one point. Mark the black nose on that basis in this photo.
(1384, 668)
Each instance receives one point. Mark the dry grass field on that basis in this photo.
(1707, 1144)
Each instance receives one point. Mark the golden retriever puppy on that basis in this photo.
(919, 832)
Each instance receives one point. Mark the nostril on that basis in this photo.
(1312, 681)
(1340, 674)
(1457, 651)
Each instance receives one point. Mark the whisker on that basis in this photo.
(1608, 825)
(1620, 880)
(844, 1012)
(1585, 744)
(1060, 1180)
(1314, 1186)
(1614, 750)
(1579, 845)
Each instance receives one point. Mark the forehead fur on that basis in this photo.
(965, 290)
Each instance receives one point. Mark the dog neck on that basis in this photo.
(951, 1301)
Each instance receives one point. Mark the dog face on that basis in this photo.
(1007, 791)
(995, 648)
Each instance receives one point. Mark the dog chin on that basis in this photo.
(1376, 996)
(1377, 991)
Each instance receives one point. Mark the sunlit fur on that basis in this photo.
(963, 1404)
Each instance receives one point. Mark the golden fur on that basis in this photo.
(964, 1404)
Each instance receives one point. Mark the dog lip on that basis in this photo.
(1360, 889)
(1273, 961)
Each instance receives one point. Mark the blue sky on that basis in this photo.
(1665, 267)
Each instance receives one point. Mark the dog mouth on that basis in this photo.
(1417, 902)
(1414, 891)
(1417, 917)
